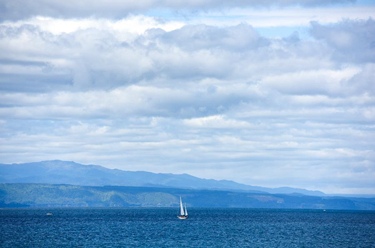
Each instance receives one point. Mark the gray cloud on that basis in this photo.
(364, 81)
(221, 103)
(239, 38)
(351, 41)
(193, 71)
(20, 9)
(97, 59)
(93, 58)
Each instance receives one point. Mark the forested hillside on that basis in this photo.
(46, 195)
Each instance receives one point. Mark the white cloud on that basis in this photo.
(125, 29)
(328, 82)
(218, 102)
(216, 121)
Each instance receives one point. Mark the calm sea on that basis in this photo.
(129, 227)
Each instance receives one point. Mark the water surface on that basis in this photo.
(140, 227)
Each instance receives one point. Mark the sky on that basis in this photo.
(266, 93)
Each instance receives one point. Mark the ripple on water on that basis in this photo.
(205, 228)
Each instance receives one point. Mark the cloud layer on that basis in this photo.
(20, 9)
(223, 102)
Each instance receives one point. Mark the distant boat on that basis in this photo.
(183, 212)
(49, 214)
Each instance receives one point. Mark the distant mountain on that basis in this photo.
(67, 172)
(47, 195)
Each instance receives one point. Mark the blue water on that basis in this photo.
(129, 227)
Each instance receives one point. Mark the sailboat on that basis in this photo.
(183, 212)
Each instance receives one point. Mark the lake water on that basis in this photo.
(140, 227)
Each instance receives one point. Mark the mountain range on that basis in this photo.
(68, 172)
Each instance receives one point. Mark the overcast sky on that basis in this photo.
(272, 94)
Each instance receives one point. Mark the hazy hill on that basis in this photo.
(44, 195)
(65, 172)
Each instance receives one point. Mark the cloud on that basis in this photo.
(351, 41)
(264, 152)
(126, 28)
(216, 122)
(312, 82)
(17, 9)
(196, 37)
(192, 71)
(289, 18)
(133, 100)
(104, 59)
(219, 102)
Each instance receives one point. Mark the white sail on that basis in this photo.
(186, 214)
(181, 208)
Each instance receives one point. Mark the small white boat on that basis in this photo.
(183, 212)
(49, 214)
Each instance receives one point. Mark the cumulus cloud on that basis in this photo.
(351, 41)
(196, 37)
(216, 122)
(312, 82)
(100, 59)
(364, 81)
(97, 58)
(217, 102)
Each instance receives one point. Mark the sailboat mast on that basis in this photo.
(186, 214)
(181, 208)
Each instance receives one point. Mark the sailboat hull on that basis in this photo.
(182, 217)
